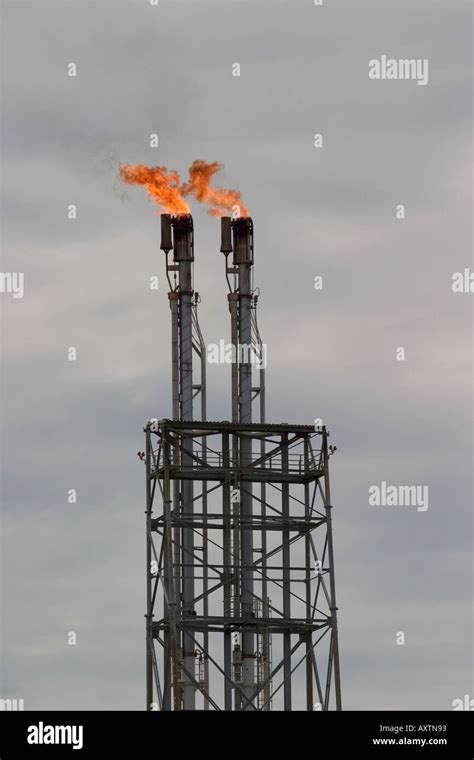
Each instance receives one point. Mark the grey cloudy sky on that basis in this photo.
(331, 353)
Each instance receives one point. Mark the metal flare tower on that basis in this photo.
(241, 601)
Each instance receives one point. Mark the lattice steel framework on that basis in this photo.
(241, 602)
(298, 564)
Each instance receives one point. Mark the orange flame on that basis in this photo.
(219, 201)
(164, 188)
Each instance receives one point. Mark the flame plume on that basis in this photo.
(165, 190)
(162, 186)
(219, 202)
